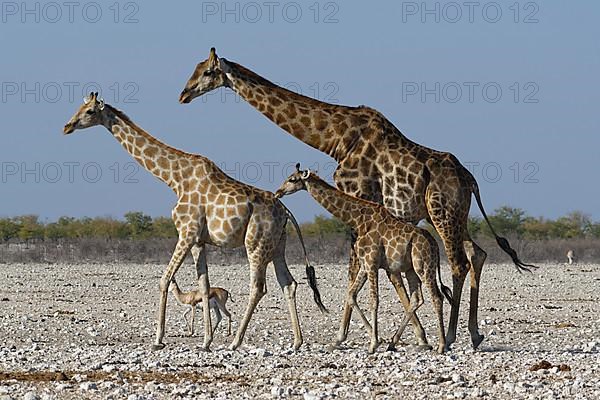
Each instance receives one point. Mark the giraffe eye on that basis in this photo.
(89, 112)
(208, 72)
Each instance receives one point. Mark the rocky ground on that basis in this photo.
(84, 331)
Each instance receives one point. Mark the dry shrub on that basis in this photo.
(333, 248)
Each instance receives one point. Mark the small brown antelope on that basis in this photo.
(217, 298)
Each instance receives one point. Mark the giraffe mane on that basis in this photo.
(256, 78)
(120, 114)
(346, 195)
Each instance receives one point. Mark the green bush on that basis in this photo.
(507, 221)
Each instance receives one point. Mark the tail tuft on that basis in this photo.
(521, 266)
(502, 242)
(447, 294)
(312, 282)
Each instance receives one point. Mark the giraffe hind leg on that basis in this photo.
(416, 301)
(288, 286)
(452, 237)
(396, 280)
(476, 257)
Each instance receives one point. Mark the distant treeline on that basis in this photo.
(136, 225)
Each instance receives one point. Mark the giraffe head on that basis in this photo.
(208, 75)
(89, 114)
(295, 182)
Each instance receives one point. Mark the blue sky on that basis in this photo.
(510, 88)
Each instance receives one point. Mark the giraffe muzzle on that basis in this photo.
(184, 97)
(69, 128)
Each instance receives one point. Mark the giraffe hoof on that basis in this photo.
(477, 341)
(233, 346)
(391, 347)
(158, 346)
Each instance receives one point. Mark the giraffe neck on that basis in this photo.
(346, 208)
(305, 118)
(159, 159)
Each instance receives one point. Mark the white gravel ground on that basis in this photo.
(84, 331)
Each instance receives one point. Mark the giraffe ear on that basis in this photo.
(306, 174)
(87, 99)
(101, 104)
(213, 59)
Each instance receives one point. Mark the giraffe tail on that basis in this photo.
(311, 276)
(502, 242)
(445, 289)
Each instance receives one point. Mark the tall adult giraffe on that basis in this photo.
(375, 162)
(212, 208)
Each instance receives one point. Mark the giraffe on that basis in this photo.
(376, 162)
(217, 299)
(382, 241)
(212, 208)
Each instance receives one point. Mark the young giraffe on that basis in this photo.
(217, 300)
(376, 162)
(212, 208)
(382, 241)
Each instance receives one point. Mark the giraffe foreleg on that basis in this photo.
(355, 285)
(199, 255)
(183, 246)
(353, 271)
(257, 291)
(374, 294)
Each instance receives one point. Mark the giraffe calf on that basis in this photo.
(217, 299)
(383, 241)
